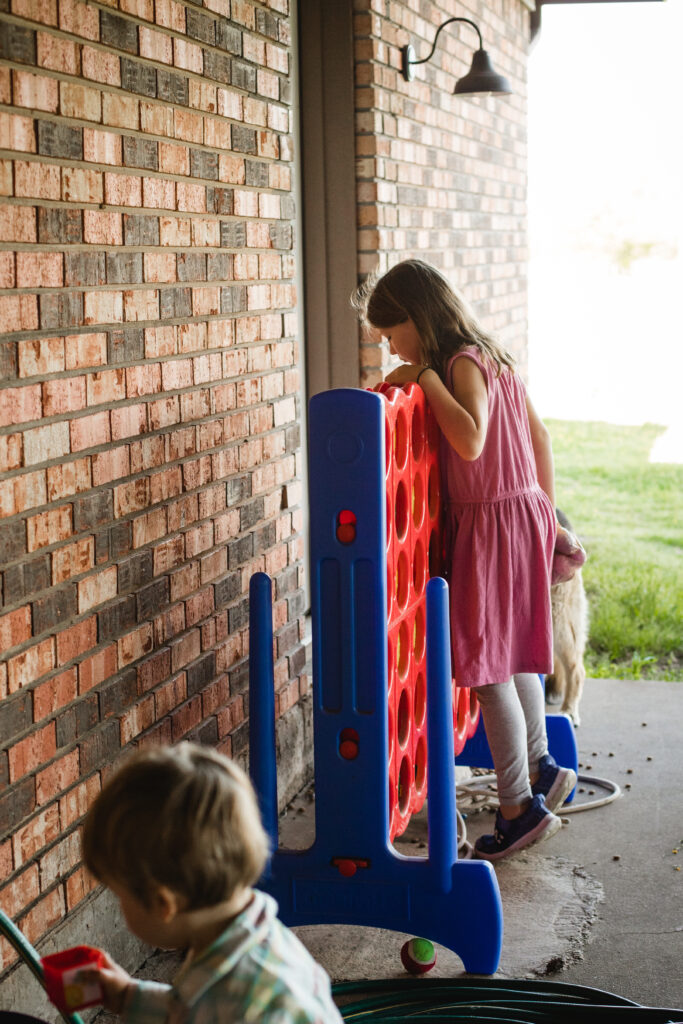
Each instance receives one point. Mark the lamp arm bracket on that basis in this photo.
(438, 33)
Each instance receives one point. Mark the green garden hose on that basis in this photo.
(441, 1001)
(9, 930)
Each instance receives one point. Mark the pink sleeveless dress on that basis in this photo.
(499, 536)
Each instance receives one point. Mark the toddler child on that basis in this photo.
(176, 835)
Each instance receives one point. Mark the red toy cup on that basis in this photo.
(62, 982)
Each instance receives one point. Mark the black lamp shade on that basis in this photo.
(482, 77)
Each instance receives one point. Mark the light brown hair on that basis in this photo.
(441, 315)
(184, 817)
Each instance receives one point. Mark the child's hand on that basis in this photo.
(406, 373)
(113, 980)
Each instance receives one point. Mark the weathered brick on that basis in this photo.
(217, 66)
(56, 692)
(227, 589)
(151, 599)
(140, 230)
(84, 268)
(18, 44)
(23, 581)
(16, 715)
(119, 33)
(93, 510)
(172, 88)
(27, 754)
(138, 77)
(118, 693)
(65, 309)
(17, 803)
(100, 747)
(228, 36)
(126, 345)
(59, 227)
(116, 618)
(60, 140)
(76, 640)
(124, 268)
(203, 164)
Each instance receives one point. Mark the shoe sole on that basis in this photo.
(558, 793)
(546, 828)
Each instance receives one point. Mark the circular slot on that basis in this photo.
(419, 635)
(401, 439)
(404, 785)
(421, 764)
(403, 718)
(418, 501)
(420, 707)
(403, 650)
(419, 567)
(402, 580)
(418, 432)
(401, 511)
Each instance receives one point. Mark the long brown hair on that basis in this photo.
(441, 316)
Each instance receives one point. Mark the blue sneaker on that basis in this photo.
(533, 826)
(554, 783)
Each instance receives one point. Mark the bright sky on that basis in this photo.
(605, 190)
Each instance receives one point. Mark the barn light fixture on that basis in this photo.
(481, 78)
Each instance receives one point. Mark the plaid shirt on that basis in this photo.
(257, 970)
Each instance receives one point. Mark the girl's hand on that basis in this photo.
(406, 373)
(114, 982)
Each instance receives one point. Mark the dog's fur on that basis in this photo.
(570, 632)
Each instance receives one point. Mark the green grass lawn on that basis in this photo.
(628, 513)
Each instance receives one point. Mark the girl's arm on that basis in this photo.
(462, 416)
(543, 452)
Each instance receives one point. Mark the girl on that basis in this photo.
(498, 479)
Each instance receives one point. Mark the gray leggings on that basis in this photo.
(514, 717)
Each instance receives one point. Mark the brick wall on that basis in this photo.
(149, 428)
(443, 177)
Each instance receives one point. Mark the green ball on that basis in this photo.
(422, 950)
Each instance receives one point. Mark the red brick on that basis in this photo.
(76, 640)
(20, 405)
(154, 670)
(81, 19)
(102, 307)
(128, 421)
(164, 413)
(100, 147)
(48, 442)
(174, 159)
(170, 14)
(192, 337)
(143, 9)
(146, 454)
(98, 667)
(102, 227)
(170, 696)
(17, 133)
(27, 754)
(90, 431)
(191, 198)
(106, 386)
(175, 231)
(68, 478)
(57, 54)
(80, 185)
(43, 916)
(15, 627)
(156, 119)
(35, 91)
(199, 606)
(39, 356)
(21, 891)
(169, 555)
(54, 694)
(169, 624)
(122, 190)
(165, 485)
(19, 312)
(155, 46)
(206, 232)
(132, 496)
(44, 11)
(73, 560)
(11, 452)
(110, 465)
(63, 395)
(60, 860)
(141, 304)
(160, 268)
(76, 802)
(58, 777)
(137, 719)
(135, 645)
(101, 66)
(186, 718)
(216, 695)
(49, 527)
(83, 350)
(79, 885)
(160, 341)
(5, 86)
(188, 56)
(149, 528)
(30, 665)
